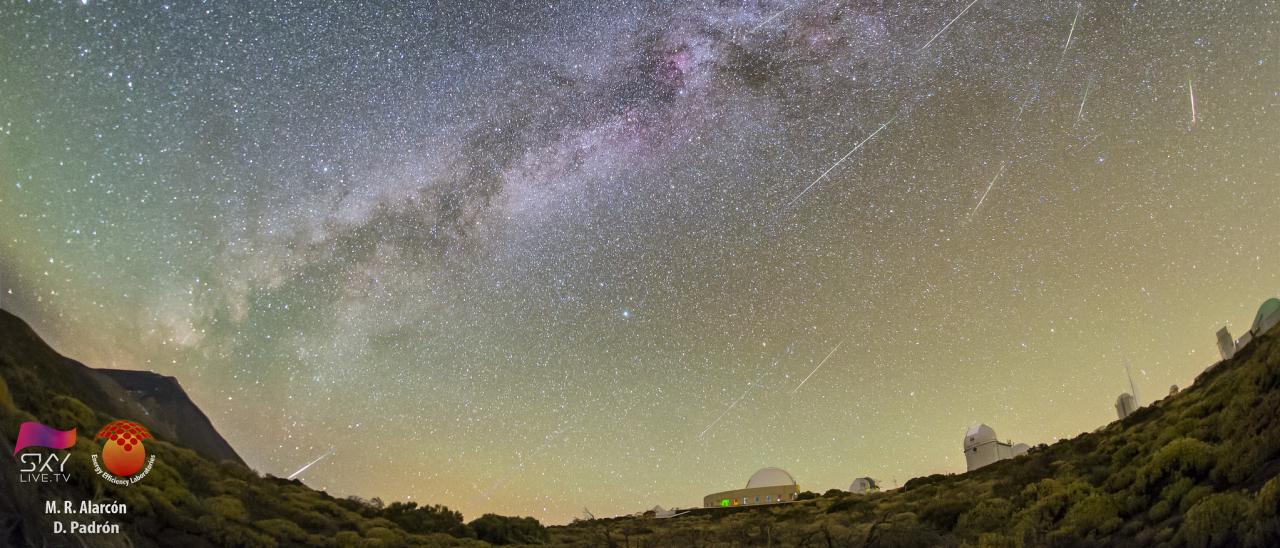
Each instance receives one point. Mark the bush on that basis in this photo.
(426, 519)
(282, 529)
(347, 538)
(6, 399)
(227, 508)
(502, 530)
(1097, 513)
(904, 530)
(68, 412)
(943, 514)
(1266, 515)
(988, 515)
(1183, 457)
(1213, 521)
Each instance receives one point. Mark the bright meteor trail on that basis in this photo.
(1069, 35)
(842, 159)
(1192, 90)
(815, 369)
(308, 465)
(945, 27)
(1080, 113)
(989, 185)
(735, 402)
(766, 21)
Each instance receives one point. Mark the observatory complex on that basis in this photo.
(767, 486)
(981, 447)
(1267, 317)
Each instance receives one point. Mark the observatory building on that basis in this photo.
(767, 486)
(1125, 405)
(863, 486)
(1267, 317)
(982, 448)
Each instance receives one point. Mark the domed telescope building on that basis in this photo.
(1267, 317)
(863, 486)
(766, 486)
(981, 447)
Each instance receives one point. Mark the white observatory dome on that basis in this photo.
(862, 486)
(977, 435)
(770, 477)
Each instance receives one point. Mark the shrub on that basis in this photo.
(1266, 515)
(6, 399)
(988, 515)
(68, 412)
(1183, 457)
(282, 529)
(1097, 513)
(943, 514)
(426, 519)
(347, 538)
(502, 530)
(227, 508)
(1213, 521)
(995, 540)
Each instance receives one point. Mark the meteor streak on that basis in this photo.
(766, 21)
(841, 160)
(735, 402)
(1070, 34)
(947, 26)
(726, 412)
(1192, 90)
(815, 370)
(1087, 85)
(989, 185)
(304, 468)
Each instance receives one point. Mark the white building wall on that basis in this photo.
(982, 448)
(1226, 346)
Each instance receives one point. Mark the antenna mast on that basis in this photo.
(1133, 389)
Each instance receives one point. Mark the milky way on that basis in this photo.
(517, 258)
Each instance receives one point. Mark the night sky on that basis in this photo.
(531, 258)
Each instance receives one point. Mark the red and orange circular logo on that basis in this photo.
(123, 454)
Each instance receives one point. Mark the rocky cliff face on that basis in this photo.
(156, 401)
(172, 413)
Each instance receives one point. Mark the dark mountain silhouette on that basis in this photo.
(154, 400)
(173, 413)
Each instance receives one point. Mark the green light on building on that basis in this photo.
(724, 502)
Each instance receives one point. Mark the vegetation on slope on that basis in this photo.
(187, 499)
(1198, 468)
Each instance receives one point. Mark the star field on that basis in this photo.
(529, 258)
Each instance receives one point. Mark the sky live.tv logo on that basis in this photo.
(37, 467)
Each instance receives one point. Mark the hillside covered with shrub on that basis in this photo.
(1198, 468)
(188, 499)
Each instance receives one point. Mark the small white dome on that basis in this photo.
(862, 486)
(978, 434)
(770, 477)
